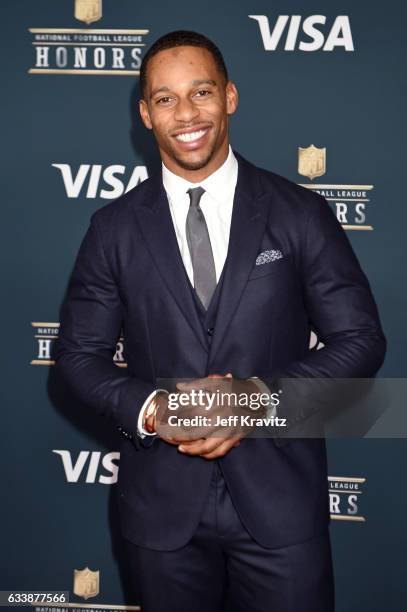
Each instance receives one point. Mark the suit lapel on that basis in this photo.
(156, 224)
(248, 223)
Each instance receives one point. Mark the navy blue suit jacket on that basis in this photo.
(129, 276)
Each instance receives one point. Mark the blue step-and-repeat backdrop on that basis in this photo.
(322, 102)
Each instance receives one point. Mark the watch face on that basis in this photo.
(150, 410)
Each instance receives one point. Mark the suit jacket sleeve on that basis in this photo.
(342, 310)
(91, 323)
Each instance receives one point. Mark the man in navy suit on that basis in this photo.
(215, 268)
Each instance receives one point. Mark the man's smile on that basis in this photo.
(190, 136)
(193, 137)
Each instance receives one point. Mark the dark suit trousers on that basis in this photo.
(223, 568)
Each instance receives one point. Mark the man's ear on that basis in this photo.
(232, 98)
(145, 115)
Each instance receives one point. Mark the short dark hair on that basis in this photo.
(181, 38)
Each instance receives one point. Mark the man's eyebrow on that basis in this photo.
(156, 91)
(194, 83)
(203, 82)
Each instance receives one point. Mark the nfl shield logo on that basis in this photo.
(86, 583)
(311, 161)
(88, 10)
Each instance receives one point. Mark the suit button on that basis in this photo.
(210, 331)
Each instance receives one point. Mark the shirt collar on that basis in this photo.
(219, 184)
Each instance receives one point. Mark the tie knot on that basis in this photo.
(195, 194)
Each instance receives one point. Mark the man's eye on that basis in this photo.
(202, 93)
(163, 100)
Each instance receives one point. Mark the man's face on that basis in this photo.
(187, 103)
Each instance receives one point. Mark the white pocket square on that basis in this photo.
(268, 256)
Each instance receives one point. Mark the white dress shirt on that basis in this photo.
(216, 204)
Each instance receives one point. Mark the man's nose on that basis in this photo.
(185, 110)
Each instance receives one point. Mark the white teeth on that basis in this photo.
(189, 137)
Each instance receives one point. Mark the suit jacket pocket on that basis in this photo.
(273, 267)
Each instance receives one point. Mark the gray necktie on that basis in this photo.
(200, 248)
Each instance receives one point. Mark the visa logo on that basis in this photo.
(317, 34)
(88, 179)
(87, 466)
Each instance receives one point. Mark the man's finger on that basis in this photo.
(222, 449)
(203, 447)
(209, 383)
(178, 441)
(199, 447)
(192, 384)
